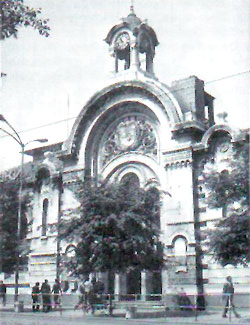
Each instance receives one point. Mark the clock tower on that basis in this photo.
(132, 44)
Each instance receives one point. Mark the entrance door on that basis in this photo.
(133, 284)
(156, 285)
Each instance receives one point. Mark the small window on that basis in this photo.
(42, 178)
(44, 216)
(180, 251)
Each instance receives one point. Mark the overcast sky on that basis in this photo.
(50, 79)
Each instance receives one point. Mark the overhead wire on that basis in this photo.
(166, 93)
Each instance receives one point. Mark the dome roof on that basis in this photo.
(132, 20)
(133, 23)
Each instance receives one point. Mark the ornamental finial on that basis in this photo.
(132, 7)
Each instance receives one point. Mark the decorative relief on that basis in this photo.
(132, 134)
(178, 158)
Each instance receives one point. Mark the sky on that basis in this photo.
(49, 80)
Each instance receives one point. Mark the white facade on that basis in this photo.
(135, 125)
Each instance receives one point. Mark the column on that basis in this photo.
(120, 285)
(149, 63)
(165, 282)
(134, 61)
(146, 284)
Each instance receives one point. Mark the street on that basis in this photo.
(10, 318)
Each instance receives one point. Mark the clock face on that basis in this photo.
(122, 41)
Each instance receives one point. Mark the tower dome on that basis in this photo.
(132, 41)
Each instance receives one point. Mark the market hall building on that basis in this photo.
(137, 127)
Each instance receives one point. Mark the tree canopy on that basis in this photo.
(229, 190)
(8, 224)
(232, 184)
(14, 14)
(116, 227)
(229, 241)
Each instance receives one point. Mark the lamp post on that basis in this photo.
(18, 139)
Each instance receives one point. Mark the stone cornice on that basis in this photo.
(178, 158)
(72, 176)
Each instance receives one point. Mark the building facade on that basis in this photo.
(137, 126)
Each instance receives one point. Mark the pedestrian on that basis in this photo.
(98, 294)
(3, 291)
(92, 295)
(81, 297)
(36, 297)
(99, 287)
(184, 301)
(228, 294)
(56, 290)
(87, 288)
(46, 295)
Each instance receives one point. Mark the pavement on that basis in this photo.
(70, 317)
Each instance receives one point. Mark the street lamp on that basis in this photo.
(17, 138)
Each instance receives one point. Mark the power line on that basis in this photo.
(227, 77)
(166, 93)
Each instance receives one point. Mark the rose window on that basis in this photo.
(132, 134)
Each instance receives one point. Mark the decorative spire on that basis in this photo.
(132, 7)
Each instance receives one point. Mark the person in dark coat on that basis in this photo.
(184, 301)
(35, 297)
(96, 294)
(46, 295)
(228, 294)
(56, 290)
(3, 291)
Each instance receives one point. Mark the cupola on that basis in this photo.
(132, 44)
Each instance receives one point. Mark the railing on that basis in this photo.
(132, 305)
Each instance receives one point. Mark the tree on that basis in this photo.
(230, 240)
(8, 224)
(14, 14)
(229, 190)
(116, 228)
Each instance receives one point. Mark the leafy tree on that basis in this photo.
(229, 190)
(230, 240)
(14, 14)
(8, 225)
(116, 228)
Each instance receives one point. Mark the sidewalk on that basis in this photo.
(206, 317)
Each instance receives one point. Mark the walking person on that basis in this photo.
(56, 290)
(93, 296)
(46, 296)
(36, 297)
(87, 287)
(3, 291)
(228, 294)
(84, 294)
(81, 297)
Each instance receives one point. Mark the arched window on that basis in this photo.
(130, 180)
(44, 216)
(42, 178)
(180, 252)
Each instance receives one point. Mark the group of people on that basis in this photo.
(90, 294)
(46, 293)
(184, 303)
